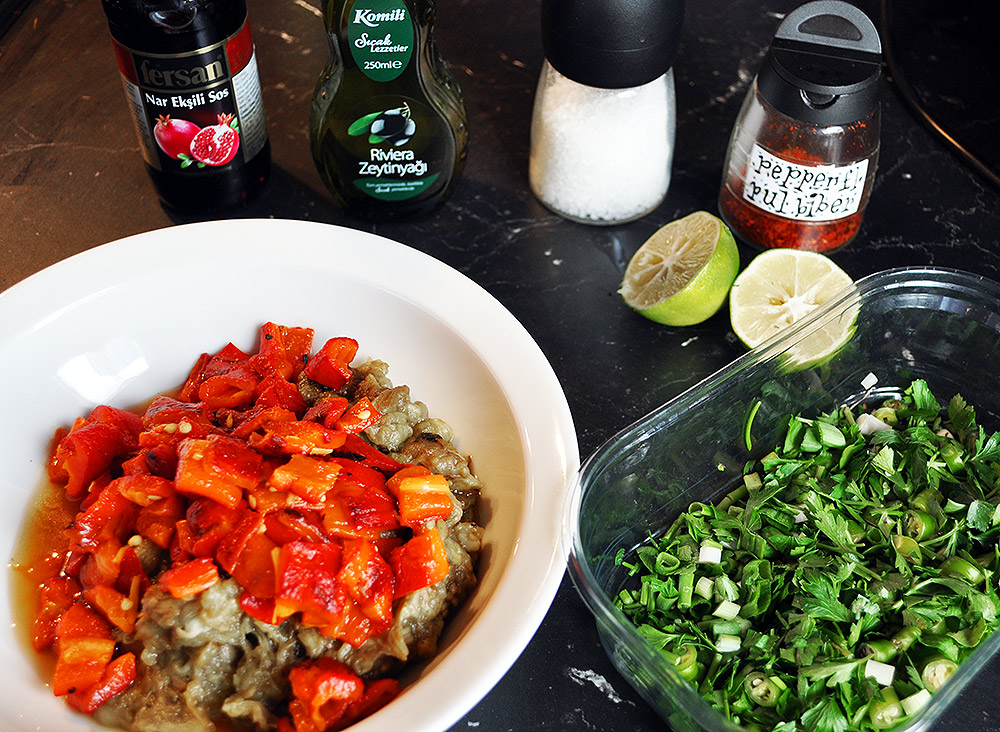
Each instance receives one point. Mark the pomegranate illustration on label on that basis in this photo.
(214, 145)
(174, 135)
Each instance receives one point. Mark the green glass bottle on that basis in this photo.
(388, 125)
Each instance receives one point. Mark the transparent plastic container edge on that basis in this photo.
(912, 322)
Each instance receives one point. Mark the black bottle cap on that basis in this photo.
(611, 44)
(824, 64)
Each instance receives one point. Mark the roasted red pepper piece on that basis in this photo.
(218, 467)
(274, 391)
(120, 611)
(359, 511)
(158, 521)
(56, 595)
(326, 410)
(308, 477)
(132, 578)
(249, 524)
(256, 418)
(287, 525)
(303, 438)
(282, 350)
(358, 417)
(420, 562)
(109, 515)
(369, 580)
(117, 677)
(261, 608)
(377, 694)
(369, 455)
(205, 524)
(422, 496)
(102, 565)
(186, 579)
(84, 646)
(142, 488)
(331, 365)
(324, 689)
(233, 388)
(83, 455)
(255, 568)
(306, 582)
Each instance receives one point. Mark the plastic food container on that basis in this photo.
(937, 324)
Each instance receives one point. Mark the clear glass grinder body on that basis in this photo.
(388, 125)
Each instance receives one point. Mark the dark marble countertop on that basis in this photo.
(71, 178)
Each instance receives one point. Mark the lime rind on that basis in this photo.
(682, 274)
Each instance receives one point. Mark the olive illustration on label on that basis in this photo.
(393, 126)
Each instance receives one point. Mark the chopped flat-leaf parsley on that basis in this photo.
(845, 581)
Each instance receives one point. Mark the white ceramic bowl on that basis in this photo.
(125, 321)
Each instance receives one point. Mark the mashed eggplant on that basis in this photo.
(206, 665)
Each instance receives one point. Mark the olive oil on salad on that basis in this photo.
(388, 126)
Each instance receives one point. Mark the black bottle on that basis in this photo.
(190, 77)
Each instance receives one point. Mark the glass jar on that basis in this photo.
(803, 153)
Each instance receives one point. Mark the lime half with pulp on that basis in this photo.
(682, 273)
(782, 286)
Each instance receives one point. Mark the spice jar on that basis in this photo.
(804, 149)
(602, 129)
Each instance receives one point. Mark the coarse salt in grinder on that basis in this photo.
(803, 152)
(602, 128)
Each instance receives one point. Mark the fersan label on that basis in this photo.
(173, 97)
(380, 33)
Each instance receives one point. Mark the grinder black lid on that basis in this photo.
(612, 44)
(824, 64)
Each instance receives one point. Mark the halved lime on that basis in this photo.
(682, 273)
(780, 287)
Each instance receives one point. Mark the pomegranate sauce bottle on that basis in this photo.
(190, 77)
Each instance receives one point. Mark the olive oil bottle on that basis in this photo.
(388, 126)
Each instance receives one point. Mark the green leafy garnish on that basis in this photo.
(844, 580)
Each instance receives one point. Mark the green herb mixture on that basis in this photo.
(844, 582)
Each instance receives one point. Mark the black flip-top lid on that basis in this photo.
(824, 64)
(612, 44)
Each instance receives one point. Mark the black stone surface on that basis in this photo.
(71, 178)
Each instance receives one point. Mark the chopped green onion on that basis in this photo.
(726, 643)
(704, 587)
(710, 553)
(915, 702)
(727, 610)
(883, 673)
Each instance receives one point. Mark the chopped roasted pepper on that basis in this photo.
(187, 579)
(331, 365)
(217, 467)
(422, 496)
(118, 676)
(306, 476)
(324, 689)
(84, 646)
(56, 594)
(358, 417)
(420, 562)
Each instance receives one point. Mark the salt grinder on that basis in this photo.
(804, 148)
(602, 128)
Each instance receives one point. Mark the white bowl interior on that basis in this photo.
(124, 322)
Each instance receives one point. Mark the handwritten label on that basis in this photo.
(803, 192)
